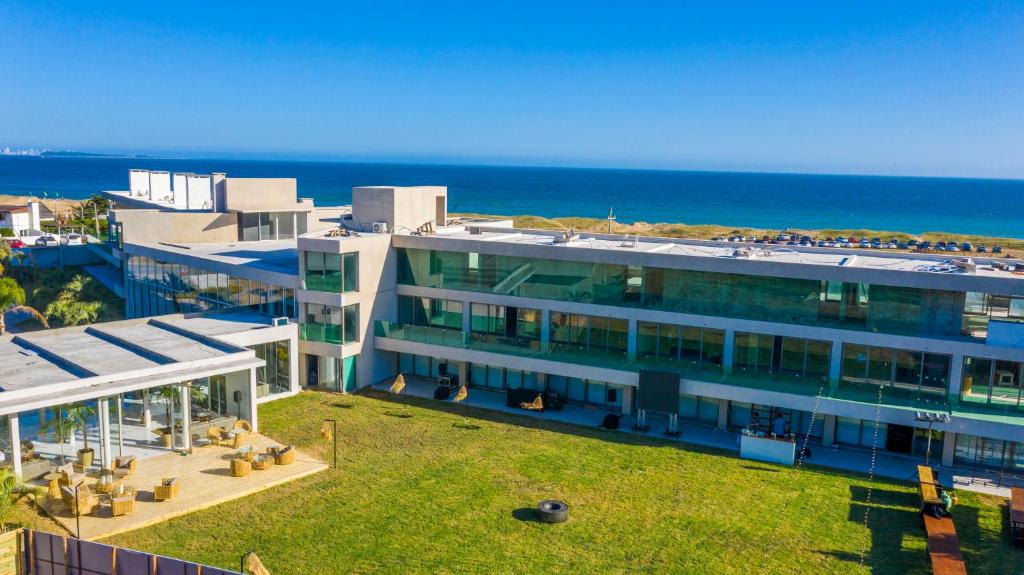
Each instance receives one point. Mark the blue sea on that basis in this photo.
(760, 200)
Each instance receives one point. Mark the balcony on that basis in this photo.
(322, 332)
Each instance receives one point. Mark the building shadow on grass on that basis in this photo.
(759, 468)
(892, 516)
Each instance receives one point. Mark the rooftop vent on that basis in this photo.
(630, 242)
(566, 237)
(474, 230)
(966, 265)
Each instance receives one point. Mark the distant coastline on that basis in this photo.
(734, 200)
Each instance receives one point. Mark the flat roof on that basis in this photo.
(251, 260)
(59, 363)
(729, 257)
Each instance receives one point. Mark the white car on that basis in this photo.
(73, 239)
(47, 240)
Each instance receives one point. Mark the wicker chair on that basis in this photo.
(240, 467)
(217, 435)
(263, 462)
(125, 466)
(168, 489)
(79, 502)
(282, 455)
(70, 476)
(122, 502)
(243, 425)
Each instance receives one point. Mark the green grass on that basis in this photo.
(432, 494)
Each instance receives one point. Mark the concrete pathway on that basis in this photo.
(849, 459)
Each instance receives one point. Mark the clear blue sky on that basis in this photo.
(930, 88)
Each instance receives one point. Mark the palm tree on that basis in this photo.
(10, 491)
(63, 430)
(12, 298)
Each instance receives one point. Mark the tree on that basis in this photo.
(78, 415)
(62, 428)
(12, 298)
(171, 393)
(10, 491)
(68, 306)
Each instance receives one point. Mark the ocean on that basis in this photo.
(760, 200)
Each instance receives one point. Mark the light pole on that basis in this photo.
(931, 419)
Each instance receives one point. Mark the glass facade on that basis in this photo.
(506, 325)
(260, 226)
(897, 368)
(992, 382)
(330, 324)
(274, 377)
(589, 335)
(430, 312)
(680, 346)
(874, 308)
(153, 287)
(995, 454)
(328, 272)
(979, 308)
(332, 373)
(790, 357)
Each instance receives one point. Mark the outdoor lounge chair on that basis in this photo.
(282, 455)
(243, 425)
(168, 489)
(263, 462)
(70, 476)
(125, 466)
(79, 502)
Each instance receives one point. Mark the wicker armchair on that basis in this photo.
(240, 467)
(282, 455)
(70, 477)
(168, 489)
(79, 502)
(243, 425)
(122, 502)
(125, 466)
(217, 435)
(263, 462)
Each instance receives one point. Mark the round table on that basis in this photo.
(53, 491)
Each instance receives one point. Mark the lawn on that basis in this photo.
(434, 493)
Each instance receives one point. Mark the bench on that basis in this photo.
(1017, 516)
(943, 546)
(928, 488)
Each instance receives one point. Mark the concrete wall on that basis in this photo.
(153, 226)
(259, 194)
(404, 209)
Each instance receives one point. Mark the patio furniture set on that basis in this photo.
(246, 460)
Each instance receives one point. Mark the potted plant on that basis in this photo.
(63, 430)
(171, 393)
(78, 414)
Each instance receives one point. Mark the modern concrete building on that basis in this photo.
(842, 337)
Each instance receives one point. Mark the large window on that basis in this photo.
(330, 272)
(993, 382)
(766, 298)
(331, 324)
(153, 287)
(274, 376)
(680, 346)
(592, 335)
(898, 368)
(758, 353)
(506, 325)
(259, 226)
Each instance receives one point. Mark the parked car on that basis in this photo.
(46, 241)
(73, 238)
(966, 246)
(997, 249)
(952, 248)
(924, 245)
(981, 249)
(912, 243)
(15, 243)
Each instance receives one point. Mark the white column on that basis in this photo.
(186, 417)
(829, 433)
(103, 413)
(120, 424)
(835, 366)
(723, 414)
(956, 372)
(147, 411)
(252, 398)
(631, 334)
(728, 348)
(14, 425)
(948, 448)
(627, 400)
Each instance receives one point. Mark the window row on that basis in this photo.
(875, 308)
(329, 272)
(153, 287)
(899, 368)
(680, 345)
(758, 353)
(994, 382)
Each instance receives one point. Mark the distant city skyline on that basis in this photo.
(912, 89)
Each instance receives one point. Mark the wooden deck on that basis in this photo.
(943, 546)
(205, 481)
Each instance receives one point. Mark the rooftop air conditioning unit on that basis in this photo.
(279, 321)
(474, 230)
(379, 227)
